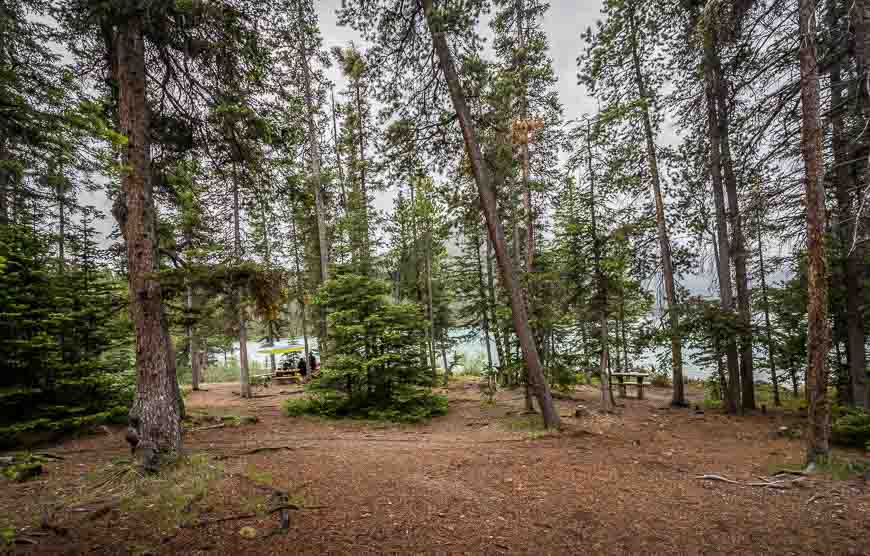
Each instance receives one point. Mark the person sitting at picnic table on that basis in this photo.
(303, 369)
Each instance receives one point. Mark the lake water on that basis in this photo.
(476, 349)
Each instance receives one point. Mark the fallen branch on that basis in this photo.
(257, 451)
(815, 497)
(210, 427)
(267, 449)
(103, 510)
(204, 522)
(294, 507)
(769, 484)
(47, 455)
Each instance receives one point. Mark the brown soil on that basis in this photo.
(477, 481)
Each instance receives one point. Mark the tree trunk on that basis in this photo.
(244, 374)
(489, 204)
(850, 259)
(679, 397)
(723, 265)
(767, 327)
(818, 335)
(430, 304)
(363, 191)
(491, 306)
(270, 331)
(61, 217)
(446, 367)
(314, 146)
(4, 182)
(191, 342)
(625, 364)
(155, 404)
(738, 246)
(484, 317)
(604, 363)
(300, 291)
(337, 151)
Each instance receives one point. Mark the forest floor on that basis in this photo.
(483, 479)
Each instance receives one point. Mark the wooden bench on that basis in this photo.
(291, 376)
(638, 380)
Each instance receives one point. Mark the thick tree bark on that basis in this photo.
(818, 334)
(679, 397)
(314, 147)
(738, 246)
(155, 405)
(732, 396)
(489, 204)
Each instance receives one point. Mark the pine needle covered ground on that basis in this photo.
(483, 479)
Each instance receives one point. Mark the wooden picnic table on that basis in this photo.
(637, 377)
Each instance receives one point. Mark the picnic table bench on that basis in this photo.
(636, 378)
(287, 376)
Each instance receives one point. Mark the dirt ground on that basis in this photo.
(481, 480)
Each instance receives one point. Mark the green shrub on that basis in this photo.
(409, 407)
(851, 427)
(563, 377)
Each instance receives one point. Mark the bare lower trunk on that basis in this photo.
(491, 305)
(484, 316)
(446, 367)
(156, 403)
(860, 21)
(604, 361)
(244, 374)
(191, 342)
(4, 182)
(300, 291)
(61, 236)
(679, 397)
(767, 327)
(732, 395)
(738, 246)
(271, 340)
(314, 146)
(337, 151)
(818, 335)
(850, 259)
(489, 204)
(430, 302)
